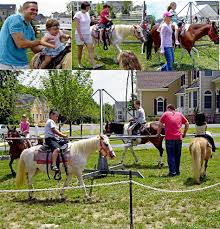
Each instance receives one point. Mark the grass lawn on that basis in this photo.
(209, 56)
(109, 207)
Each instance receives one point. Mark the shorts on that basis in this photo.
(103, 26)
(87, 39)
(53, 143)
(53, 52)
(7, 67)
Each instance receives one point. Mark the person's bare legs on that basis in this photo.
(54, 156)
(91, 54)
(79, 54)
(46, 62)
(176, 37)
(101, 35)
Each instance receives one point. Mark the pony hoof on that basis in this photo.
(13, 174)
(160, 165)
(62, 199)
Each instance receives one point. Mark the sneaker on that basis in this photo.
(177, 43)
(80, 66)
(97, 66)
(54, 168)
(171, 174)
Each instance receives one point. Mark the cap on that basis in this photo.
(167, 14)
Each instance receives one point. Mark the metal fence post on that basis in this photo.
(131, 204)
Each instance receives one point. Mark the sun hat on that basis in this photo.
(167, 14)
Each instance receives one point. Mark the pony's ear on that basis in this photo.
(8, 128)
(135, 26)
(101, 137)
(14, 128)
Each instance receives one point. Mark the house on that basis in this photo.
(37, 107)
(6, 10)
(62, 18)
(200, 91)
(120, 112)
(157, 89)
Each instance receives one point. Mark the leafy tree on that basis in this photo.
(70, 94)
(8, 88)
(109, 112)
(126, 7)
(69, 7)
(99, 8)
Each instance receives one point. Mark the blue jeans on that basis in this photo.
(173, 148)
(169, 56)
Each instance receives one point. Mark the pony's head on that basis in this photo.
(213, 33)
(12, 133)
(105, 147)
(138, 33)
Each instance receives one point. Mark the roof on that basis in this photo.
(25, 98)
(181, 91)
(8, 6)
(153, 80)
(193, 85)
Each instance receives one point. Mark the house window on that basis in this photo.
(36, 116)
(181, 101)
(183, 80)
(208, 100)
(195, 98)
(218, 101)
(33, 116)
(208, 72)
(190, 98)
(160, 105)
(120, 116)
(195, 74)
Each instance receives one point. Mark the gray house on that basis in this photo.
(6, 10)
(120, 113)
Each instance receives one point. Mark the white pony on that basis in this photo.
(79, 152)
(119, 33)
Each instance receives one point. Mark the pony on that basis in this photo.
(129, 61)
(62, 61)
(200, 151)
(78, 154)
(187, 39)
(16, 146)
(147, 130)
(118, 35)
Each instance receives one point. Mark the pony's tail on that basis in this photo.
(21, 176)
(195, 150)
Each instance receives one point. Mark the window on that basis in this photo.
(208, 100)
(190, 98)
(183, 80)
(208, 72)
(181, 101)
(33, 116)
(195, 74)
(36, 116)
(195, 103)
(160, 105)
(218, 101)
(120, 116)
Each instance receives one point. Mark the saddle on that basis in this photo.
(56, 62)
(44, 156)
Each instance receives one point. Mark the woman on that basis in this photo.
(201, 127)
(166, 42)
(25, 128)
(83, 34)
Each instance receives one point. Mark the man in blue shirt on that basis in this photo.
(16, 36)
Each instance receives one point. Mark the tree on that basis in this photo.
(109, 112)
(99, 8)
(70, 94)
(8, 88)
(126, 7)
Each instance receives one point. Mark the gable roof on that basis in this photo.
(153, 80)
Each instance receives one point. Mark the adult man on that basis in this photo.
(173, 121)
(139, 118)
(16, 36)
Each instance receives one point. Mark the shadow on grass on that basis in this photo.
(191, 182)
(6, 177)
(52, 202)
(138, 166)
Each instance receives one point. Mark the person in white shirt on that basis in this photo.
(83, 35)
(52, 139)
(139, 118)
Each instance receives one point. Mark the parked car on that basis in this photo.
(3, 130)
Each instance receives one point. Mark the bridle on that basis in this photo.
(213, 36)
(103, 149)
(136, 32)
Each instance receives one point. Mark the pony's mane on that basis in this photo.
(84, 145)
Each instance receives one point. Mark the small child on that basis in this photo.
(25, 128)
(104, 20)
(172, 9)
(54, 36)
(52, 139)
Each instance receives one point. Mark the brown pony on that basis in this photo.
(187, 38)
(147, 130)
(200, 151)
(16, 146)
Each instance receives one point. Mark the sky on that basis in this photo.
(45, 7)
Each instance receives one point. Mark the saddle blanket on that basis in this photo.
(41, 156)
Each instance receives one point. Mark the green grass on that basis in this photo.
(209, 56)
(109, 207)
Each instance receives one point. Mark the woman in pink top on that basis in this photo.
(54, 36)
(25, 128)
(173, 121)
